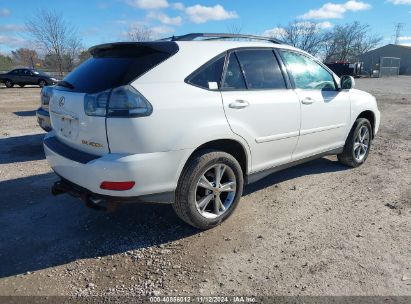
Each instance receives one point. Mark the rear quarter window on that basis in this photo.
(209, 75)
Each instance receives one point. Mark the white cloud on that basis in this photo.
(178, 6)
(278, 32)
(404, 38)
(12, 42)
(148, 4)
(274, 32)
(4, 12)
(165, 19)
(161, 30)
(201, 14)
(324, 25)
(397, 2)
(335, 11)
(7, 28)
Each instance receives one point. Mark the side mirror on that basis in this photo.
(347, 82)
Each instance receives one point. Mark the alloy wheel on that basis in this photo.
(361, 143)
(215, 191)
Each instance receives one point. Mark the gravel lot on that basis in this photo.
(316, 229)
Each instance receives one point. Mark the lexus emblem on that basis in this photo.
(61, 101)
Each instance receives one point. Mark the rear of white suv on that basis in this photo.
(189, 122)
(98, 117)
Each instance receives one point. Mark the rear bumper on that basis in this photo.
(99, 201)
(43, 119)
(155, 174)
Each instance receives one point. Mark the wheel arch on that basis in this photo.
(230, 146)
(370, 116)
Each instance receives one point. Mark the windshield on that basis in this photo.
(40, 73)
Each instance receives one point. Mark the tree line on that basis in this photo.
(57, 45)
(345, 42)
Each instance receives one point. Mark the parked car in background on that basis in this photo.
(42, 113)
(22, 77)
(341, 68)
(191, 122)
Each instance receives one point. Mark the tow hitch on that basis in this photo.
(92, 201)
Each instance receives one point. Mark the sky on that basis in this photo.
(101, 21)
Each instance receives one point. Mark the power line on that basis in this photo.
(398, 28)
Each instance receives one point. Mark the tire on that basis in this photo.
(354, 153)
(21, 85)
(8, 83)
(42, 83)
(191, 196)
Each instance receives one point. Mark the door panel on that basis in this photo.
(269, 123)
(324, 121)
(325, 111)
(260, 108)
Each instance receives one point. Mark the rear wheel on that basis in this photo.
(357, 146)
(42, 83)
(8, 83)
(21, 85)
(209, 189)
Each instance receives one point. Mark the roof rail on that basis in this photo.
(216, 36)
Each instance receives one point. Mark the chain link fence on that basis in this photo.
(389, 67)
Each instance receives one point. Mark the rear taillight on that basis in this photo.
(117, 186)
(124, 101)
(96, 104)
(45, 95)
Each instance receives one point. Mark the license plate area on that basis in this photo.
(67, 127)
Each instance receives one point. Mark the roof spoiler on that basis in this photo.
(132, 47)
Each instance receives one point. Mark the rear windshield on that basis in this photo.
(117, 65)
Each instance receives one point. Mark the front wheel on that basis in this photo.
(209, 189)
(357, 145)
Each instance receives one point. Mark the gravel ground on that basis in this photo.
(316, 229)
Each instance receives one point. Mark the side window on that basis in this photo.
(234, 79)
(15, 72)
(209, 77)
(261, 69)
(307, 73)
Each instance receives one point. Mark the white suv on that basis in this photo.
(190, 122)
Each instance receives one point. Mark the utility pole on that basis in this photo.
(398, 28)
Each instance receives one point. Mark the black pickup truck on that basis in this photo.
(24, 77)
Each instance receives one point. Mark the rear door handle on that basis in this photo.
(307, 101)
(239, 104)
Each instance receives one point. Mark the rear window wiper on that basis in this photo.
(65, 84)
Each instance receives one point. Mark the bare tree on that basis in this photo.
(308, 36)
(74, 48)
(140, 33)
(55, 36)
(348, 42)
(25, 57)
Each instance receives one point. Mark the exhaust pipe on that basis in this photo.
(102, 204)
(58, 188)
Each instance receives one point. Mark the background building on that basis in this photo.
(372, 59)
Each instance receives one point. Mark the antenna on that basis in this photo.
(398, 28)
